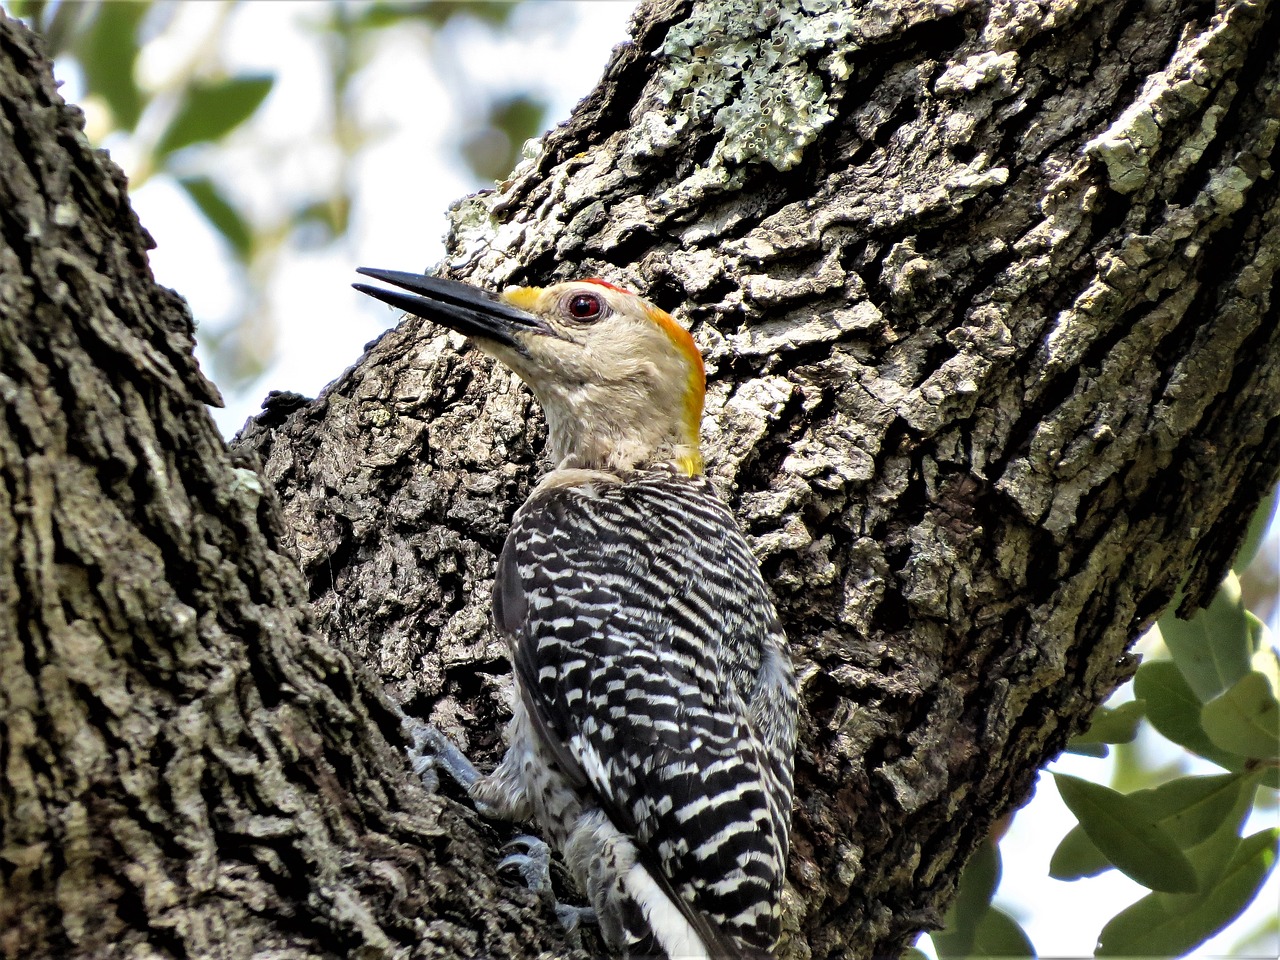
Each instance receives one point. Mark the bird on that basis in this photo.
(654, 724)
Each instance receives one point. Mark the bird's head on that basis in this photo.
(621, 383)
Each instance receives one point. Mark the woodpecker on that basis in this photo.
(654, 726)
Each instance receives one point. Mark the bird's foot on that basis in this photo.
(430, 751)
(534, 867)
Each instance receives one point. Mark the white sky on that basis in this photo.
(406, 180)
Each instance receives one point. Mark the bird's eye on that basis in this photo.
(584, 307)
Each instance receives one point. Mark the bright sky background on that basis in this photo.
(406, 181)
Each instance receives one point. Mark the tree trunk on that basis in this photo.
(986, 294)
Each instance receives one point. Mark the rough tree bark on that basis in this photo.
(987, 296)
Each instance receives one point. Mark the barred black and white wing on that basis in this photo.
(650, 659)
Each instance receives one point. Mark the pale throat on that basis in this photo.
(576, 439)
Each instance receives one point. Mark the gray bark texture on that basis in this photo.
(987, 295)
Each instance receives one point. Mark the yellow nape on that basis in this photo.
(690, 463)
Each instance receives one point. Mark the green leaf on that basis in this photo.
(1189, 809)
(1212, 857)
(1192, 809)
(375, 16)
(1112, 725)
(1077, 857)
(220, 212)
(1267, 660)
(1174, 710)
(108, 53)
(1258, 525)
(1212, 649)
(1134, 768)
(1246, 719)
(1126, 834)
(999, 935)
(1258, 942)
(1259, 635)
(493, 149)
(1170, 925)
(978, 883)
(212, 110)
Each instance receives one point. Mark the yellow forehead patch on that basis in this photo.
(523, 298)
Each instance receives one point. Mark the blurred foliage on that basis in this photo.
(1212, 689)
(492, 150)
(974, 927)
(174, 126)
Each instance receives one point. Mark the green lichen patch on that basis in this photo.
(747, 68)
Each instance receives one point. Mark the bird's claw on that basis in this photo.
(430, 751)
(534, 867)
(572, 918)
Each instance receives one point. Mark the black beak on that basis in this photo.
(459, 306)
